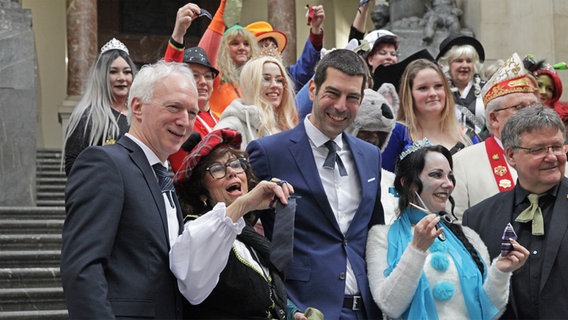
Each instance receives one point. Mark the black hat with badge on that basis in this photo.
(199, 56)
(460, 40)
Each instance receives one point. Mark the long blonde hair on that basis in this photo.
(407, 111)
(271, 119)
(228, 68)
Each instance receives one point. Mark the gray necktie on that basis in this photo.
(333, 157)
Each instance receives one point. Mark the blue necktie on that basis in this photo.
(164, 180)
(333, 157)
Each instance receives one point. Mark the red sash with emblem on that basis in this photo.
(498, 164)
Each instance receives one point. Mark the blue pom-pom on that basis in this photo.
(443, 290)
(439, 261)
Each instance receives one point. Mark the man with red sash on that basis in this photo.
(481, 170)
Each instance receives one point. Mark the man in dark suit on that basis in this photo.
(120, 222)
(534, 142)
(339, 192)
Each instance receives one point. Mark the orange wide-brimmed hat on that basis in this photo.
(263, 30)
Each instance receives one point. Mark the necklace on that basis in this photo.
(110, 139)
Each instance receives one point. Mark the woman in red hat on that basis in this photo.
(222, 264)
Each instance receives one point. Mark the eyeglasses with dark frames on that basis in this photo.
(558, 149)
(219, 170)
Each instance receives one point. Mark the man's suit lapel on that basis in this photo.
(139, 159)
(301, 151)
(369, 178)
(558, 221)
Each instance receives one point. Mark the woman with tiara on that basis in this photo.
(100, 116)
(424, 266)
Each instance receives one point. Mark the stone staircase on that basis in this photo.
(50, 178)
(30, 243)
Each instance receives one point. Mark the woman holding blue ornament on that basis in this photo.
(423, 266)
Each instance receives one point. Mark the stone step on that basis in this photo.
(50, 196)
(30, 277)
(49, 153)
(51, 174)
(50, 203)
(50, 163)
(20, 299)
(30, 241)
(51, 180)
(49, 167)
(21, 226)
(35, 315)
(33, 213)
(30, 258)
(51, 188)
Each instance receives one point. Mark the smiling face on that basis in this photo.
(436, 178)
(461, 71)
(204, 79)
(537, 174)
(239, 50)
(120, 79)
(545, 88)
(164, 123)
(272, 85)
(385, 54)
(428, 93)
(336, 102)
(228, 188)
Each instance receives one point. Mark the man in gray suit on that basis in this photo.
(537, 207)
(120, 220)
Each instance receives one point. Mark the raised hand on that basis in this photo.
(185, 15)
(425, 232)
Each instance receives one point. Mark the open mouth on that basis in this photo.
(337, 117)
(234, 188)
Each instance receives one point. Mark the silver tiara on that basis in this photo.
(114, 44)
(415, 146)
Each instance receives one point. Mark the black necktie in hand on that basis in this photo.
(164, 180)
(333, 157)
(281, 253)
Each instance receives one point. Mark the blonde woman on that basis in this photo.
(267, 102)
(237, 47)
(427, 110)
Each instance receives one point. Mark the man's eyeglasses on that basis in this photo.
(557, 150)
(219, 170)
(517, 108)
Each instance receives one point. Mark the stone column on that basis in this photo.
(18, 105)
(82, 49)
(282, 16)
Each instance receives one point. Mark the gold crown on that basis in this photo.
(114, 44)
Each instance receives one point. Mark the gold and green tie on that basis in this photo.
(534, 214)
